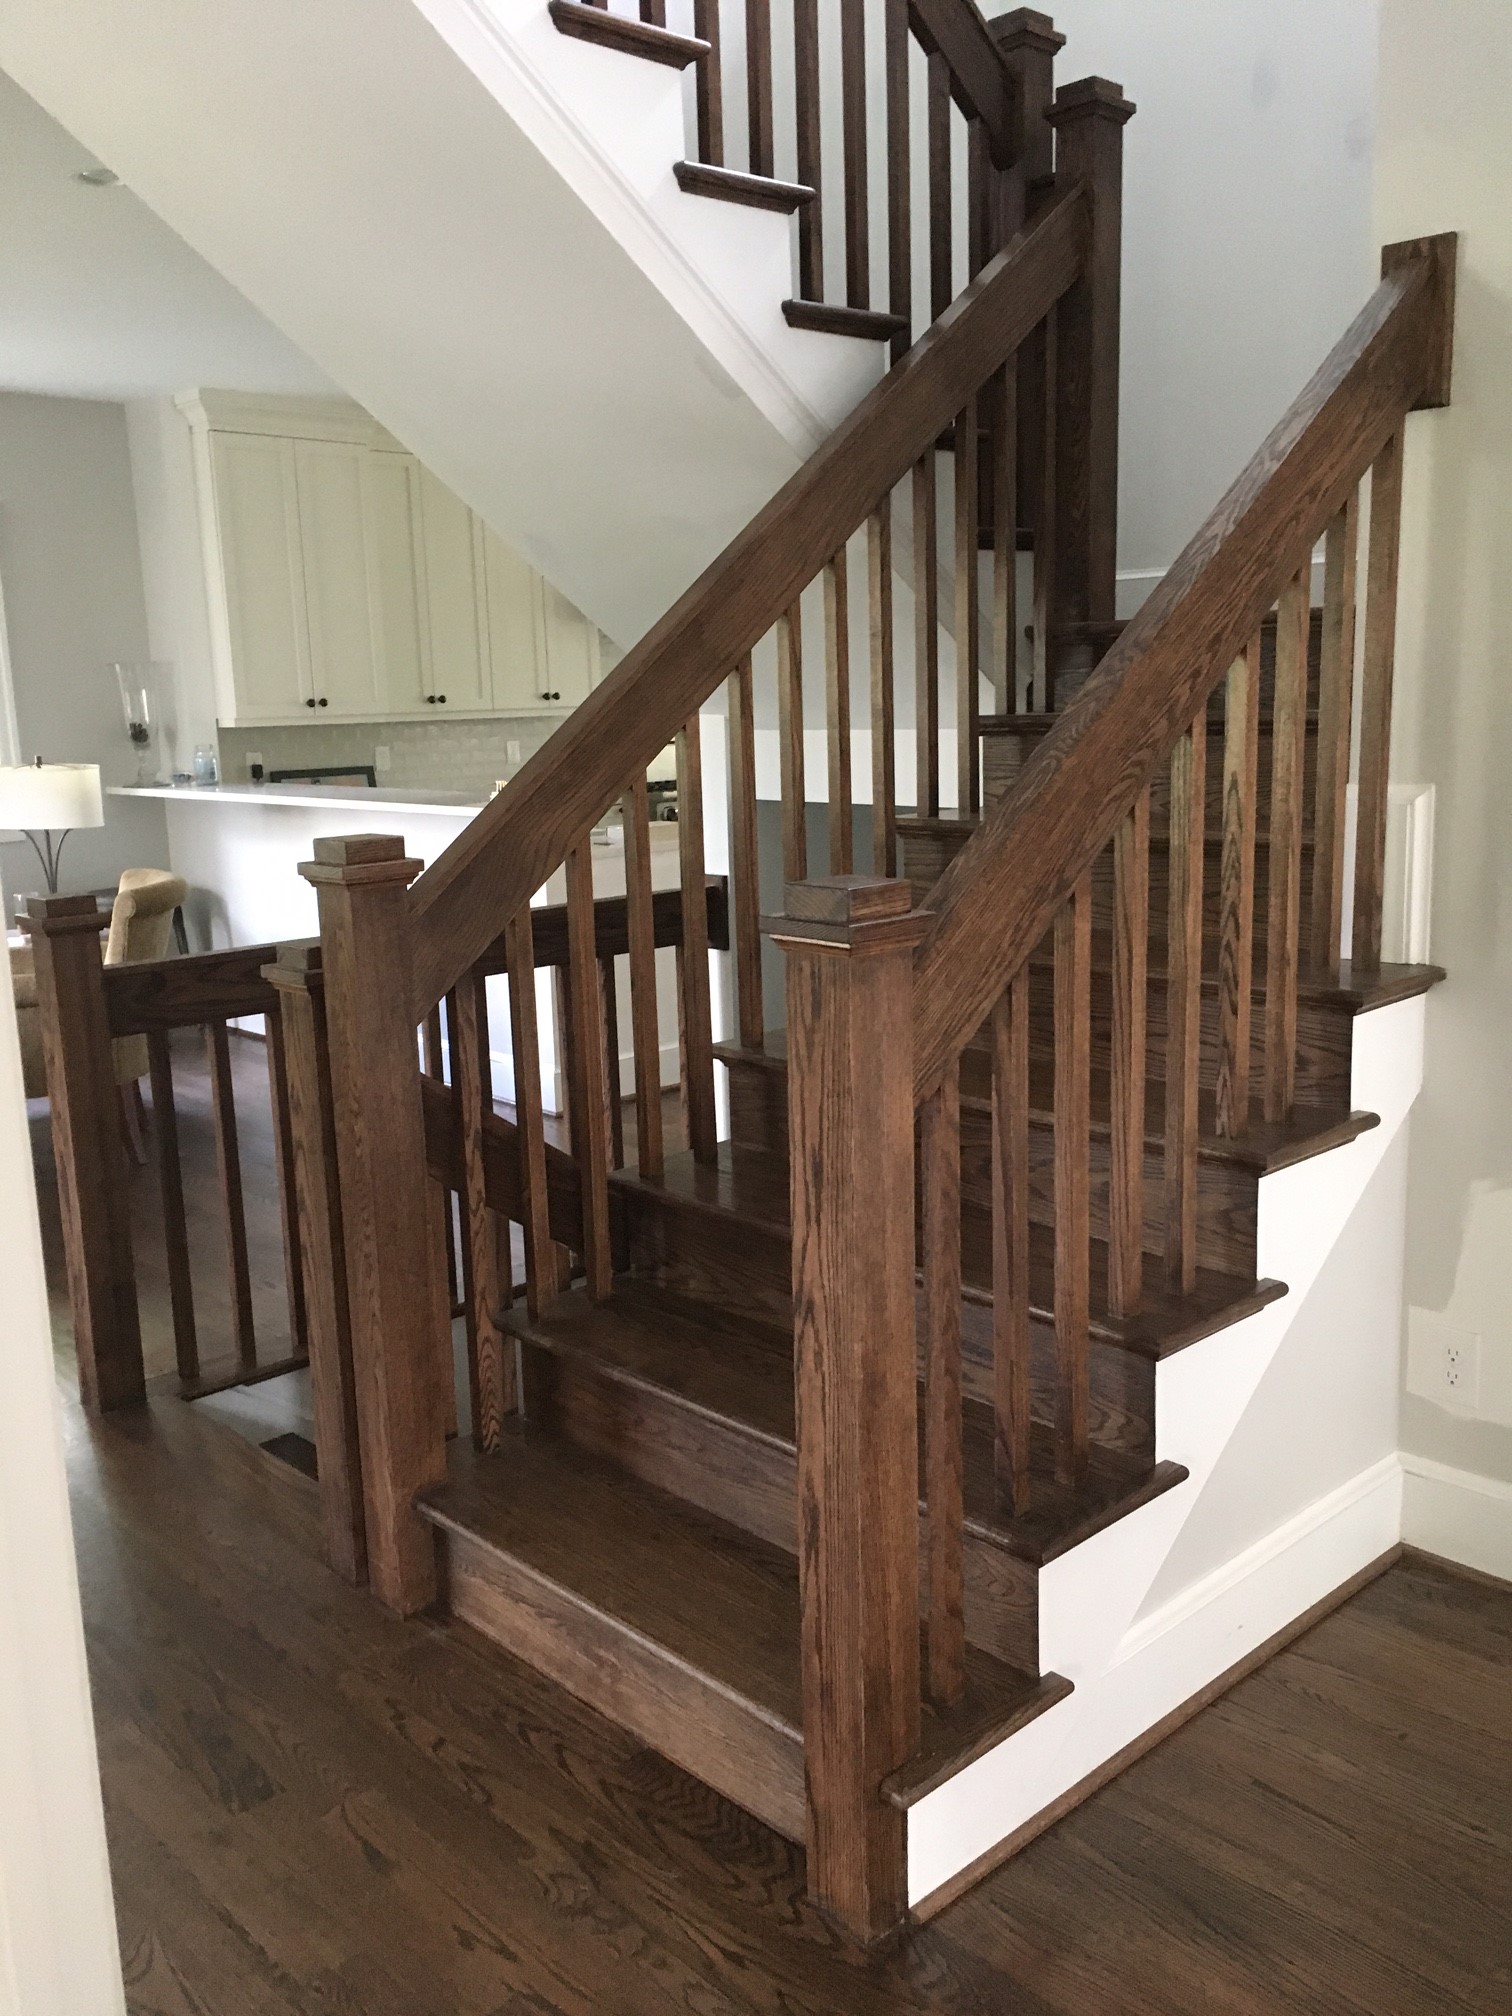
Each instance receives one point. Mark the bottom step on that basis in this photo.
(679, 1628)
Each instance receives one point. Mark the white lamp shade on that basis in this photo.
(50, 797)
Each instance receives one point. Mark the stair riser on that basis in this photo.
(699, 1726)
(1004, 757)
(747, 1480)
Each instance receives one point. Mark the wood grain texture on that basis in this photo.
(232, 1201)
(806, 102)
(940, 1283)
(968, 643)
(1375, 703)
(693, 956)
(288, 1206)
(1004, 479)
(590, 1122)
(1184, 1004)
(1236, 890)
(188, 991)
(645, 1037)
(543, 1271)
(851, 1123)
(758, 56)
(485, 1286)
(896, 39)
(980, 80)
(926, 599)
(1011, 1347)
(1000, 895)
(397, 1301)
(1073, 984)
(879, 599)
(171, 1192)
(854, 152)
(709, 83)
(1131, 928)
(1335, 723)
(745, 869)
(837, 714)
(1044, 354)
(791, 773)
(1283, 928)
(938, 187)
(654, 44)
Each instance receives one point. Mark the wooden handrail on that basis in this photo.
(982, 83)
(492, 868)
(1005, 888)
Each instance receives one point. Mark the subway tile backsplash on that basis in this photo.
(463, 754)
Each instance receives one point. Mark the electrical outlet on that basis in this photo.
(381, 758)
(1443, 1362)
(512, 752)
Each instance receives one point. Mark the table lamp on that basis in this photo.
(50, 799)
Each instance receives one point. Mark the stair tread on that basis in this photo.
(732, 185)
(631, 38)
(832, 319)
(751, 1184)
(712, 1365)
(1267, 1144)
(703, 1593)
(1160, 832)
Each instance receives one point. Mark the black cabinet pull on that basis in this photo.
(440, 699)
(430, 699)
(323, 701)
(310, 702)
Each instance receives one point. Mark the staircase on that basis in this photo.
(831, 1432)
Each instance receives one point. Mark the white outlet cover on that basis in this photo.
(1443, 1361)
(511, 752)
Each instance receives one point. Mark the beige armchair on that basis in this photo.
(141, 924)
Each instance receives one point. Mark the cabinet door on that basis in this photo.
(339, 601)
(455, 601)
(515, 644)
(396, 563)
(571, 649)
(257, 523)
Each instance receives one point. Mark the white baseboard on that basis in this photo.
(1457, 1514)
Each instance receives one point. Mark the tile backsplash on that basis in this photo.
(463, 754)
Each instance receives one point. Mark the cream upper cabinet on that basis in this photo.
(346, 582)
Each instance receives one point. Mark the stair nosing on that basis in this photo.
(732, 185)
(629, 38)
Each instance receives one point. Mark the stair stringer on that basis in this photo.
(1131, 1670)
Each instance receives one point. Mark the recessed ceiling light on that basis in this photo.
(98, 178)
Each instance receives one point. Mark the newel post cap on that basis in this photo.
(61, 916)
(1025, 28)
(1090, 98)
(352, 860)
(848, 912)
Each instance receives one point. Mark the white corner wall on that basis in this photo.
(58, 1954)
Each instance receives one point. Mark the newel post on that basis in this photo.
(88, 1148)
(1089, 117)
(397, 1303)
(849, 942)
(300, 981)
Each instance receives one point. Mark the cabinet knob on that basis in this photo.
(310, 702)
(323, 701)
(440, 699)
(551, 696)
(430, 699)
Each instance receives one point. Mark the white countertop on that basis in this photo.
(322, 797)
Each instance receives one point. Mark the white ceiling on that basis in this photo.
(100, 300)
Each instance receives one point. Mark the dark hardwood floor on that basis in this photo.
(316, 1809)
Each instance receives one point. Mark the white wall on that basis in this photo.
(1444, 162)
(173, 571)
(72, 579)
(58, 1952)
(1248, 242)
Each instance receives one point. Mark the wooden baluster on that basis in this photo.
(288, 1205)
(710, 84)
(653, 13)
(968, 652)
(175, 1225)
(1073, 1124)
(1184, 1002)
(616, 1114)
(944, 1503)
(1335, 705)
(1131, 933)
(645, 1023)
(590, 1131)
(837, 708)
(1284, 863)
(1375, 705)
(793, 783)
(884, 754)
(485, 1243)
(850, 946)
(853, 134)
(400, 1325)
(1043, 672)
(433, 1052)
(926, 639)
(761, 155)
(312, 1130)
(233, 1206)
(941, 263)
(806, 113)
(1005, 537)
(745, 858)
(433, 1049)
(1236, 892)
(545, 1262)
(899, 179)
(1010, 1244)
(1089, 117)
(980, 203)
(693, 965)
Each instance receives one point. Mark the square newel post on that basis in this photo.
(396, 1300)
(88, 1147)
(849, 942)
(1089, 117)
